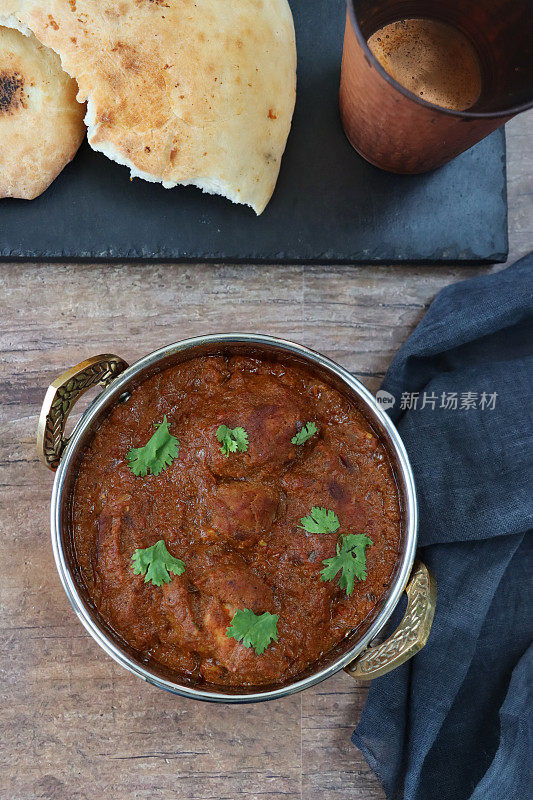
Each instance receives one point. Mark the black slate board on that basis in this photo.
(329, 206)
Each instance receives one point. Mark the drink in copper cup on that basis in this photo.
(423, 81)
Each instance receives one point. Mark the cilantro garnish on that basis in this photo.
(320, 520)
(160, 451)
(350, 561)
(232, 439)
(308, 430)
(253, 630)
(156, 562)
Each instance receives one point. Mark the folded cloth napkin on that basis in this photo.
(455, 722)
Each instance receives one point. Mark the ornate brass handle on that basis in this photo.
(61, 396)
(411, 634)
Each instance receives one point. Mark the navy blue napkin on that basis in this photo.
(455, 722)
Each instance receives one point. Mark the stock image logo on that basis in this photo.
(385, 399)
(449, 401)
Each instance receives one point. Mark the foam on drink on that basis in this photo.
(431, 59)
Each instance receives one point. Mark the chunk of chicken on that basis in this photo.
(234, 662)
(269, 414)
(178, 610)
(122, 595)
(243, 512)
(226, 576)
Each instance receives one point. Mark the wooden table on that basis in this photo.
(75, 725)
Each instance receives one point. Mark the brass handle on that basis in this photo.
(61, 396)
(411, 634)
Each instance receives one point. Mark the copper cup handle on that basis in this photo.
(411, 634)
(61, 397)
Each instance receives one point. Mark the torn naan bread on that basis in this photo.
(41, 124)
(195, 92)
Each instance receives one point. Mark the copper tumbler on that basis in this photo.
(400, 131)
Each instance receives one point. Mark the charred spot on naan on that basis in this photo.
(12, 95)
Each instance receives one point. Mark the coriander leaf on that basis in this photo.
(232, 439)
(253, 630)
(308, 430)
(320, 520)
(160, 451)
(156, 562)
(350, 561)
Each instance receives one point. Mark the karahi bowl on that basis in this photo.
(355, 653)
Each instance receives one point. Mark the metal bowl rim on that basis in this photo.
(282, 346)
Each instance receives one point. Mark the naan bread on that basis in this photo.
(195, 92)
(41, 124)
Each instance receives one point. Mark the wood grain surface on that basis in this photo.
(75, 726)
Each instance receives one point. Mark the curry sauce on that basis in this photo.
(234, 520)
